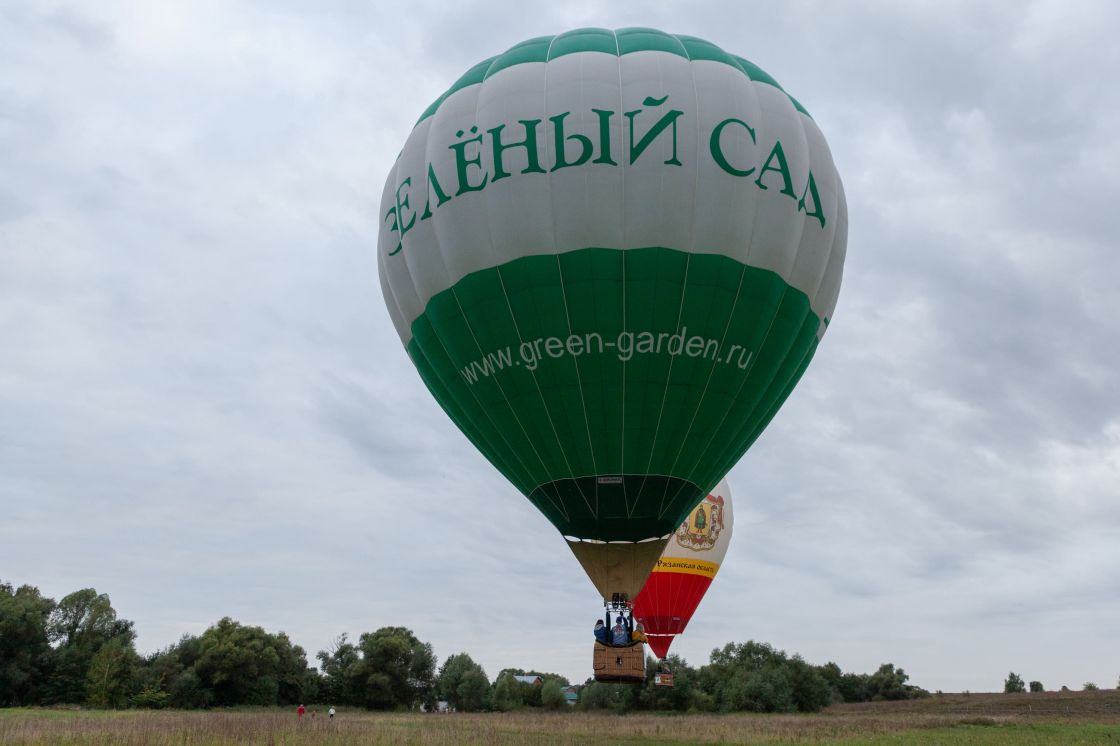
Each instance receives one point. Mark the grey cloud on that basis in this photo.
(46, 26)
(384, 435)
(203, 399)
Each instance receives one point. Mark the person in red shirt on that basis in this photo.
(300, 711)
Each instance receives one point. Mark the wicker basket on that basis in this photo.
(620, 664)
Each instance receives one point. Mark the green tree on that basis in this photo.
(832, 675)
(474, 691)
(749, 676)
(188, 691)
(530, 694)
(754, 676)
(1036, 686)
(243, 665)
(340, 667)
(889, 683)
(463, 683)
(171, 672)
(595, 695)
(1013, 684)
(702, 701)
(78, 627)
(311, 686)
(506, 696)
(25, 652)
(598, 695)
(810, 690)
(552, 695)
(396, 671)
(854, 687)
(681, 696)
(110, 676)
(766, 689)
(1089, 686)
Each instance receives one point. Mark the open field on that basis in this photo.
(1057, 718)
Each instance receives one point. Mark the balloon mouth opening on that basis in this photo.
(617, 508)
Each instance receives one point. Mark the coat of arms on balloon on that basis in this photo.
(701, 529)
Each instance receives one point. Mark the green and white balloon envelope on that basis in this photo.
(611, 256)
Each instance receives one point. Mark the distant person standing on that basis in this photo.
(299, 711)
(330, 712)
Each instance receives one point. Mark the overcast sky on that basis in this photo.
(205, 411)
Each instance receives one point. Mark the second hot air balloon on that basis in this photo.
(685, 570)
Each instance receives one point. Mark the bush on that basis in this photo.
(552, 696)
(601, 696)
(1036, 686)
(150, 698)
(189, 693)
(701, 701)
(595, 696)
(506, 697)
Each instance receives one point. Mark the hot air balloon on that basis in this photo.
(686, 568)
(611, 256)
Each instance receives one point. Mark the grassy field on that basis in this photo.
(1049, 718)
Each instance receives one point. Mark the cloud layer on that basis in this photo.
(204, 409)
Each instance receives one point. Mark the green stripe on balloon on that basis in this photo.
(618, 43)
(539, 362)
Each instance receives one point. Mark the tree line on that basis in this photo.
(1014, 684)
(77, 651)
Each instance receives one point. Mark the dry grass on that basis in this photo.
(1076, 717)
